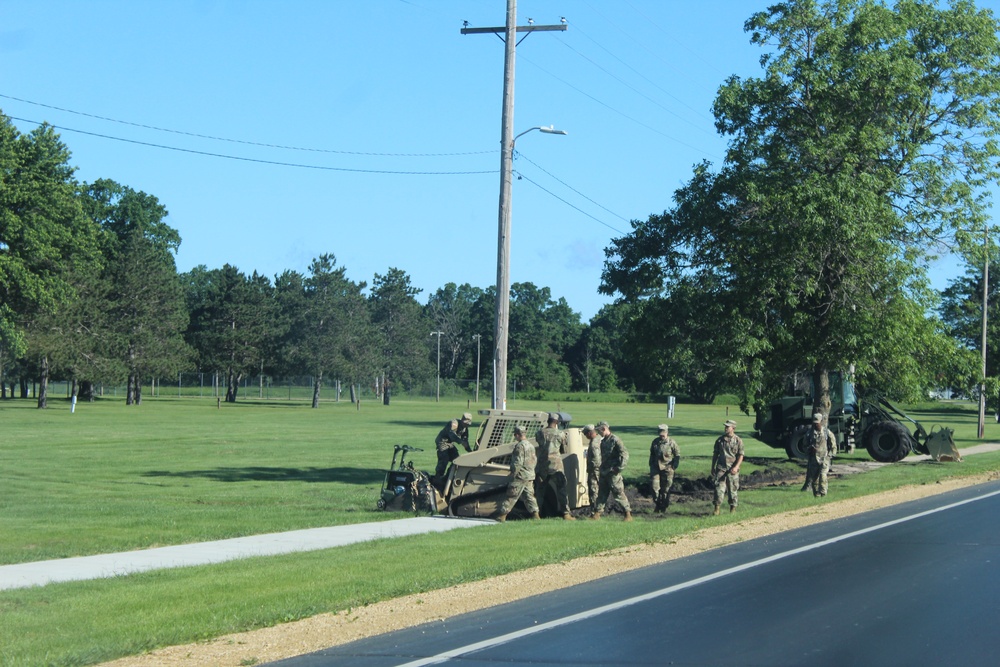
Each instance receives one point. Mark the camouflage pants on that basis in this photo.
(661, 481)
(611, 484)
(816, 473)
(517, 489)
(555, 481)
(726, 486)
(593, 487)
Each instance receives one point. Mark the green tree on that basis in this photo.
(867, 142)
(234, 323)
(146, 311)
(45, 236)
(452, 309)
(542, 332)
(330, 331)
(398, 318)
(961, 311)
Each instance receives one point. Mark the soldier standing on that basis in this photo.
(550, 473)
(522, 478)
(664, 455)
(455, 432)
(820, 444)
(593, 463)
(726, 460)
(614, 458)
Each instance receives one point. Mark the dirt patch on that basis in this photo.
(325, 630)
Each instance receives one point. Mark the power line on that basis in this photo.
(645, 78)
(620, 217)
(259, 161)
(620, 113)
(543, 189)
(238, 141)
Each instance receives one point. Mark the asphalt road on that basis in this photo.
(908, 585)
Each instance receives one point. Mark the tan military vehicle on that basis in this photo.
(477, 481)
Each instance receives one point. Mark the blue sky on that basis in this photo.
(356, 93)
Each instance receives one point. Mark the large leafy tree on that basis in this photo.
(867, 142)
(542, 332)
(962, 311)
(453, 311)
(46, 239)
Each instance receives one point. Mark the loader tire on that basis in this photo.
(887, 441)
(796, 445)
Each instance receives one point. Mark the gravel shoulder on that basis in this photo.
(325, 630)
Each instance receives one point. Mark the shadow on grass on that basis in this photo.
(361, 476)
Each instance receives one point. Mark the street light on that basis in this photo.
(479, 341)
(438, 334)
(503, 268)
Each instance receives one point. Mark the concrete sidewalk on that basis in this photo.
(40, 573)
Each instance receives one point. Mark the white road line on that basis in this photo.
(597, 611)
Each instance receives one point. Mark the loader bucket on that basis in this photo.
(941, 444)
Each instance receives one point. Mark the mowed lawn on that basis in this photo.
(112, 478)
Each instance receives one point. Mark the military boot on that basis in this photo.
(568, 517)
(628, 515)
(595, 516)
(732, 509)
(715, 512)
(534, 516)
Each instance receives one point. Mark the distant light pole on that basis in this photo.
(438, 334)
(479, 341)
(503, 271)
(981, 430)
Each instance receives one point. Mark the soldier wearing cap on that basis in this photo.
(614, 458)
(455, 432)
(593, 440)
(522, 478)
(549, 473)
(726, 460)
(821, 444)
(664, 455)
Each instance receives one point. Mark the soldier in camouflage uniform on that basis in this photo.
(593, 463)
(664, 455)
(614, 458)
(522, 478)
(821, 444)
(550, 473)
(455, 432)
(726, 460)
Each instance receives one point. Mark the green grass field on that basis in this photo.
(112, 478)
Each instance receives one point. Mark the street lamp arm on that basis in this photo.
(541, 128)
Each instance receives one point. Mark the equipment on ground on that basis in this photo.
(476, 482)
(406, 489)
(869, 420)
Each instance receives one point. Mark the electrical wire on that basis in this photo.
(700, 114)
(239, 141)
(549, 192)
(620, 113)
(257, 160)
(553, 176)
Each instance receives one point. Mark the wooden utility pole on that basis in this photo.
(986, 291)
(509, 32)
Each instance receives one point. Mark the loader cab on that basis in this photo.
(775, 423)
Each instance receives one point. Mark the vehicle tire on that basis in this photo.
(380, 504)
(887, 441)
(796, 447)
